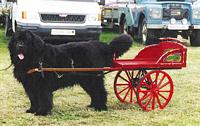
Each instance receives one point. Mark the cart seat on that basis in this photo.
(166, 54)
(134, 64)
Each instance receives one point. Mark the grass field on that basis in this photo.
(70, 104)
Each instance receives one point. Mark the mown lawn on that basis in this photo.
(70, 104)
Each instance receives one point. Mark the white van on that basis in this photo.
(68, 19)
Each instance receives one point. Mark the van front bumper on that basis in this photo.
(81, 33)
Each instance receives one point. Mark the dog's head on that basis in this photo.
(24, 44)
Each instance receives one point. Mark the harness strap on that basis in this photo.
(40, 69)
(6, 68)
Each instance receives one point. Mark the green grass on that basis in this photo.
(107, 36)
(70, 104)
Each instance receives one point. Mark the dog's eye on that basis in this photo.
(20, 44)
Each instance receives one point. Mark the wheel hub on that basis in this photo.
(154, 90)
(135, 82)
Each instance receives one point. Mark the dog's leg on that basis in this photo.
(45, 103)
(45, 100)
(94, 86)
(31, 91)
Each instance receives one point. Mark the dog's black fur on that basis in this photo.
(28, 51)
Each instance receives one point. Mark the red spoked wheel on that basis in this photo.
(155, 90)
(125, 85)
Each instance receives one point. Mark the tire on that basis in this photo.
(8, 27)
(122, 24)
(194, 38)
(123, 28)
(148, 36)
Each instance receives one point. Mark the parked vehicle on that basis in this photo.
(3, 12)
(152, 19)
(60, 19)
(111, 13)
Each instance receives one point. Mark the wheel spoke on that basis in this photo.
(163, 77)
(138, 75)
(148, 102)
(123, 78)
(126, 94)
(162, 96)
(146, 85)
(153, 103)
(158, 99)
(156, 80)
(132, 74)
(145, 96)
(121, 84)
(123, 90)
(143, 73)
(165, 84)
(131, 95)
(149, 79)
(164, 91)
(127, 74)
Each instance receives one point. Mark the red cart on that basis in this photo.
(142, 78)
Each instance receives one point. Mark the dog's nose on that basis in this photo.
(20, 45)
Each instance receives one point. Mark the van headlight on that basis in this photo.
(28, 15)
(155, 13)
(96, 17)
(196, 13)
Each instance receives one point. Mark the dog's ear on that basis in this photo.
(36, 41)
(29, 35)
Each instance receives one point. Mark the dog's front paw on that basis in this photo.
(91, 106)
(31, 110)
(101, 108)
(42, 113)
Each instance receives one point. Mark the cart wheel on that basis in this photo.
(155, 90)
(126, 83)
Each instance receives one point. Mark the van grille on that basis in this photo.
(175, 11)
(178, 14)
(62, 18)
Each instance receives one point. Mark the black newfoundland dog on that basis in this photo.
(28, 51)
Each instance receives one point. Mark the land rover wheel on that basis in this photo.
(195, 38)
(148, 36)
(8, 27)
(123, 28)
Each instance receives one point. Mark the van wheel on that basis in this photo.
(122, 24)
(194, 38)
(123, 27)
(8, 27)
(148, 35)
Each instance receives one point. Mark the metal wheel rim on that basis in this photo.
(144, 33)
(158, 92)
(125, 28)
(130, 90)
